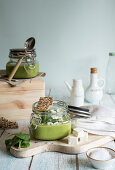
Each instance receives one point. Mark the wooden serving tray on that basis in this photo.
(37, 146)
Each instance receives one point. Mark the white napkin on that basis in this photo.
(101, 122)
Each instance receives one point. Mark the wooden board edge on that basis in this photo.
(53, 147)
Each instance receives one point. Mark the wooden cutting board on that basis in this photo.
(37, 146)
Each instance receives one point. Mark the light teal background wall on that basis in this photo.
(71, 36)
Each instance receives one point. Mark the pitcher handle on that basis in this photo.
(102, 83)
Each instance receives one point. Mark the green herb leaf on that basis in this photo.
(23, 136)
(8, 143)
(25, 144)
(19, 140)
(15, 141)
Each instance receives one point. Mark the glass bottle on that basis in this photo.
(94, 91)
(28, 68)
(52, 124)
(110, 72)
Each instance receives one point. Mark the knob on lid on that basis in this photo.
(93, 70)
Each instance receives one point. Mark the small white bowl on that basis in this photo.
(102, 164)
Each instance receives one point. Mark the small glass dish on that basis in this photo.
(52, 124)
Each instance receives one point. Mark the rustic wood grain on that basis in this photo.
(20, 101)
(77, 162)
(16, 102)
(30, 84)
(54, 161)
(22, 114)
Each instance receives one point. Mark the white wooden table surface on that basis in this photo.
(48, 160)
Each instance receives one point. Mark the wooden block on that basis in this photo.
(16, 102)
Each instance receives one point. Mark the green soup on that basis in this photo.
(23, 71)
(52, 124)
(51, 132)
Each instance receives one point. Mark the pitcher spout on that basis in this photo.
(68, 86)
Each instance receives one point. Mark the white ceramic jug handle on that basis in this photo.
(102, 83)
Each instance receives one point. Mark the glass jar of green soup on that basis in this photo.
(52, 124)
(28, 68)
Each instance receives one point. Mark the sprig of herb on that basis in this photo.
(19, 140)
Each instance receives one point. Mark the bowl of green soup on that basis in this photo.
(52, 124)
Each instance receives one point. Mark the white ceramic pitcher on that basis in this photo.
(76, 93)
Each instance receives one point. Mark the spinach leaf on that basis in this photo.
(23, 136)
(15, 141)
(19, 140)
(25, 144)
(8, 143)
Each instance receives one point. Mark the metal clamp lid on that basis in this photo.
(17, 53)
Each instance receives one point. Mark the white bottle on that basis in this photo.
(94, 92)
(77, 93)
